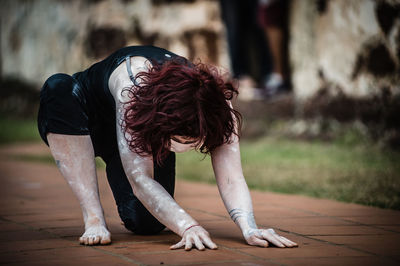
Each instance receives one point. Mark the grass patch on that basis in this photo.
(351, 173)
(18, 130)
(346, 169)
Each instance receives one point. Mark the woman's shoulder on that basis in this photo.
(120, 79)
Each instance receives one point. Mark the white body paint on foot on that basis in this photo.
(94, 235)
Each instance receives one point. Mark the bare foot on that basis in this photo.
(95, 235)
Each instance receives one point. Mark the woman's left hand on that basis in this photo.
(196, 236)
(264, 237)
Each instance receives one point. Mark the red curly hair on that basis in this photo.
(179, 98)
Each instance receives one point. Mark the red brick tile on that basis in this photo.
(76, 231)
(9, 226)
(355, 211)
(308, 251)
(64, 254)
(210, 205)
(224, 232)
(35, 218)
(382, 249)
(334, 230)
(22, 235)
(18, 246)
(185, 257)
(202, 216)
(302, 221)
(73, 261)
(46, 221)
(126, 248)
(376, 220)
(271, 212)
(102, 260)
(394, 228)
(385, 245)
(233, 241)
(334, 261)
(56, 223)
(259, 262)
(362, 239)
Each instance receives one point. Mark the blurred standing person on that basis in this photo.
(246, 42)
(272, 16)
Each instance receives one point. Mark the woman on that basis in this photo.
(135, 109)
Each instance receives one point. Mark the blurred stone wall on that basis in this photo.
(344, 55)
(336, 46)
(345, 47)
(42, 37)
(345, 63)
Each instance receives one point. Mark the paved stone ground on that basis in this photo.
(40, 222)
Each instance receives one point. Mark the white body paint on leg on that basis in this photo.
(74, 156)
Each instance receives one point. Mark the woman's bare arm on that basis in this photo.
(153, 196)
(235, 194)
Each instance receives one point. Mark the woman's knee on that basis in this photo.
(138, 220)
(59, 82)
(140, 228)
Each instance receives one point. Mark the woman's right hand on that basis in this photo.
(196, 235)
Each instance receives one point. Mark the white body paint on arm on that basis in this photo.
(232, 185)
(236, 196)
(139, 169)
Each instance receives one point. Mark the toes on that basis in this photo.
(94, 240)
(84, 240)
(105, 240)
(102, 238)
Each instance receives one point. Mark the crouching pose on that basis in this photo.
(135, 109)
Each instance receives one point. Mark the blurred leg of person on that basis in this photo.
(246, 43)
(272, 15)
(230, 12)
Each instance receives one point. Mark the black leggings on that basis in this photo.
(135, 216)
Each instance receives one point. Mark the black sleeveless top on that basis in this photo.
(82, 104)
(98, 103)
(93, 81)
